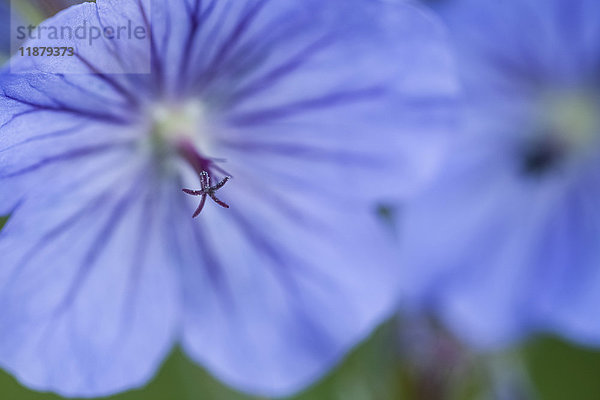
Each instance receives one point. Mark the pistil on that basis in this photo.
(202, 166)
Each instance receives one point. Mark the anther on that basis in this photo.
(207, 190)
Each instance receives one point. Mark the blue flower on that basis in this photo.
(507, 241)
(317, 111)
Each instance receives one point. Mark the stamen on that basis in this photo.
(207, 190)
(202, 166)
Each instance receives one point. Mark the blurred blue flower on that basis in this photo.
(317, 110)
(508, 239)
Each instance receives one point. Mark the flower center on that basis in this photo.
(173, 123)
(183, 130)
(568, 128)
(574, 119)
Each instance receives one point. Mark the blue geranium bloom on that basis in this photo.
(299, 116)
(507, 241)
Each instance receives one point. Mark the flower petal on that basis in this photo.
(567, 257)
(281, 285)
(377, 124)
(88, 298)
(513, 252)
(38, 130)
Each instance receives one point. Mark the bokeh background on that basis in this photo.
(406, 358)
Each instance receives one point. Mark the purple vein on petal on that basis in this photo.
(145, 228)
(103, 238)
(280, 71)
(61, 108)
(215, 65)
(228, 45)
(198, 19)
(304, 151)
(114, 52)
(330, 100)
(15, 116)
(192, 12)
(293, 213)
(131, 99)
(49, 237)
(285, 276)
(45, 136)
(281, 259)
(88, 92)
(213, 266)
(275, 177)
(69, 156)
(155, 57)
